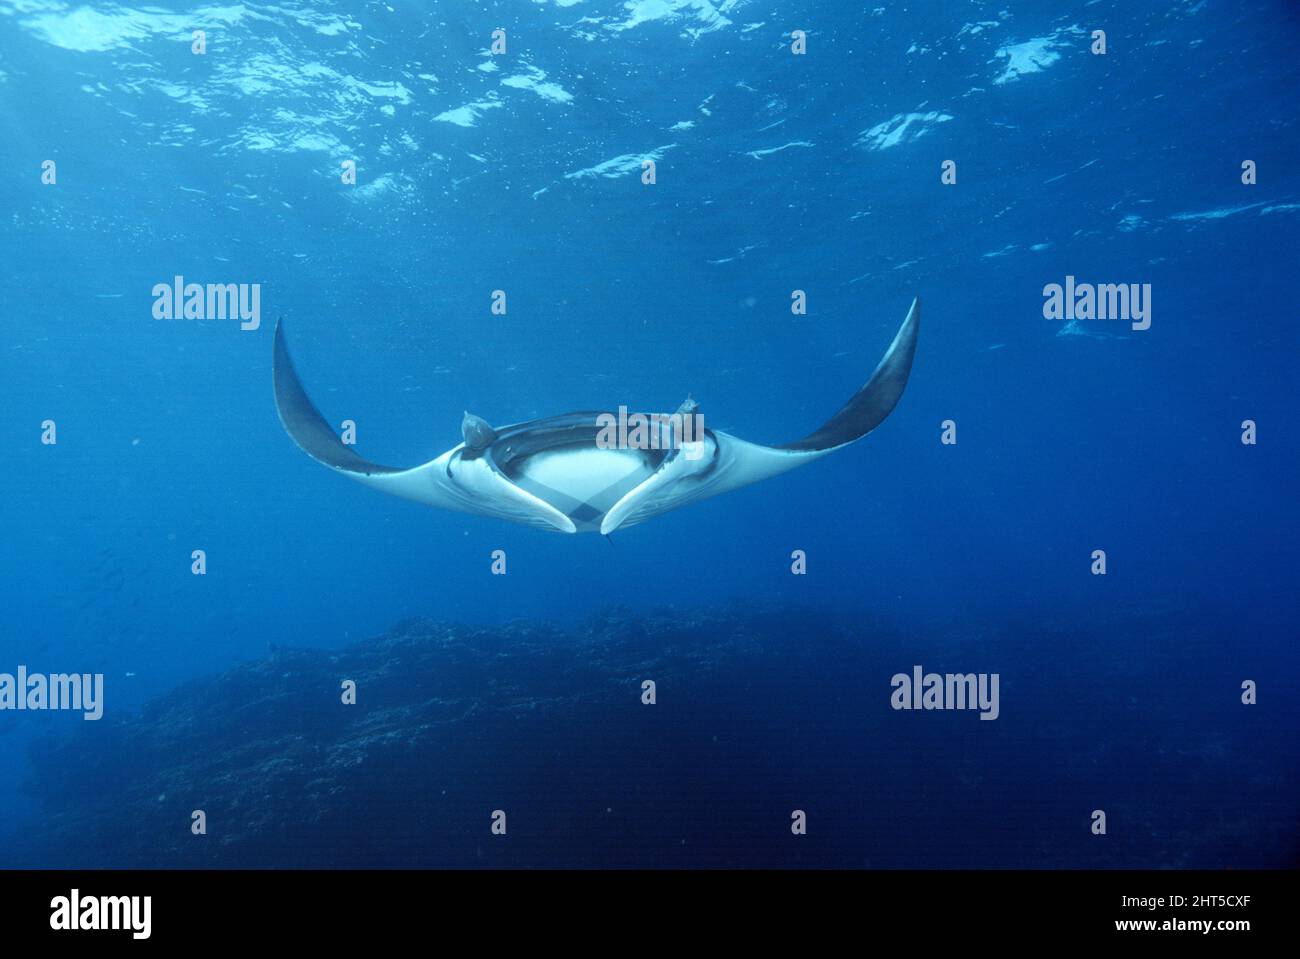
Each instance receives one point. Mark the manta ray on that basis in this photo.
(557, 474)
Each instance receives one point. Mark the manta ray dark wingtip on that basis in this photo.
(869, 406)
(304, 423)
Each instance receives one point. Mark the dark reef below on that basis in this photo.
(760, 711)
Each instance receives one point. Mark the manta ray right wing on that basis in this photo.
(478, 487)
(735, 462)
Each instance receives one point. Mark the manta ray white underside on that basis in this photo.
(552, 473)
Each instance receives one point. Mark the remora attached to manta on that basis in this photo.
(552, 473)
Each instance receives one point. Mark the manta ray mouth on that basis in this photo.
(583, 483)
(558, 461)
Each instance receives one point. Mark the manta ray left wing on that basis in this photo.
(735, 462)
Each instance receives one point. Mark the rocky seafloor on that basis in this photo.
(758, 712)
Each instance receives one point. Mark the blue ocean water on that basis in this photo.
(775, 172)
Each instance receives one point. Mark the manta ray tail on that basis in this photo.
(869, 406)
